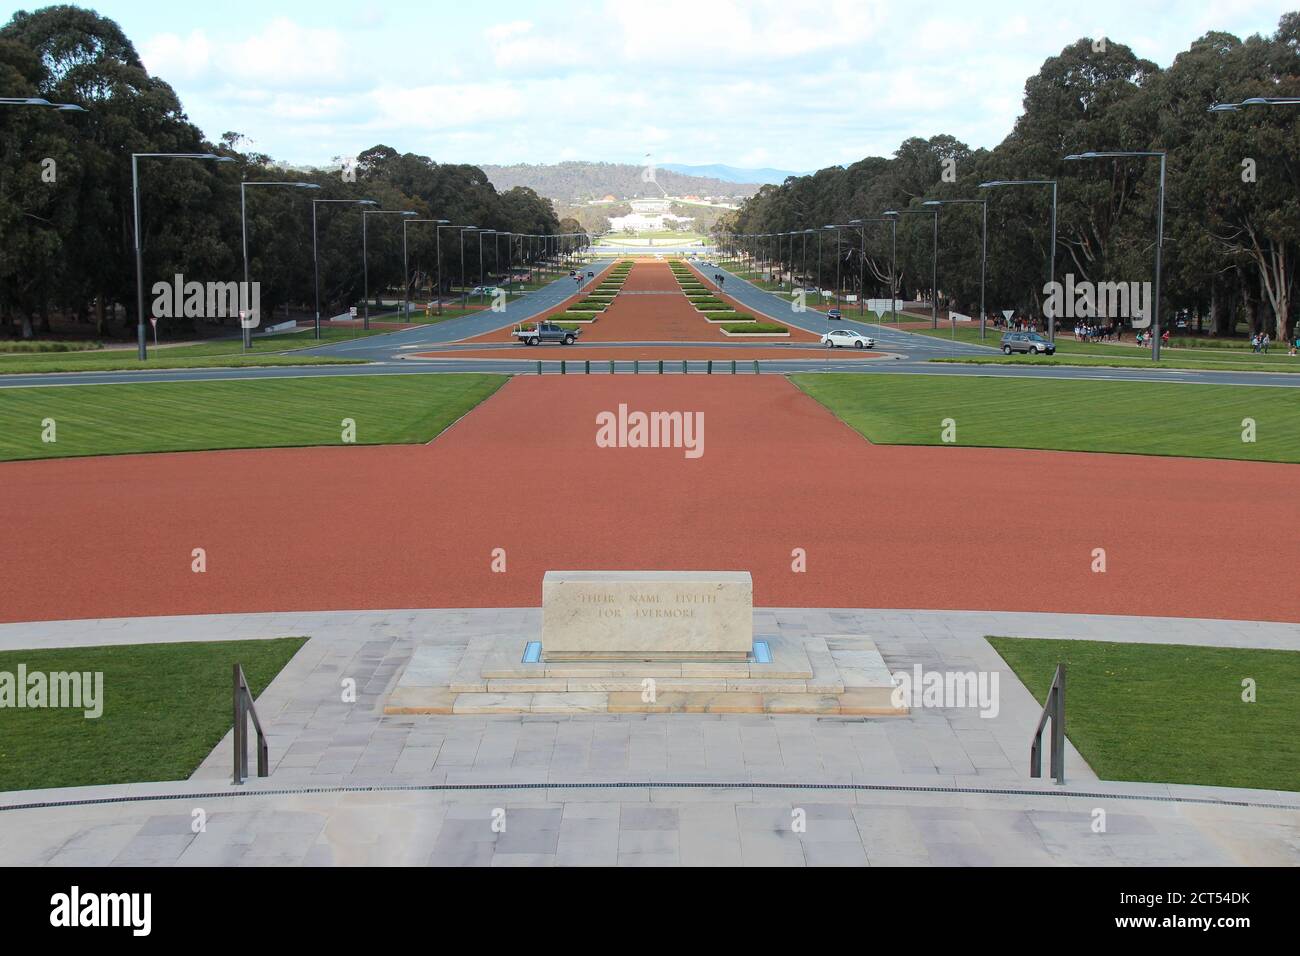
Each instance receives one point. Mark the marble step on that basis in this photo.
(429, 700)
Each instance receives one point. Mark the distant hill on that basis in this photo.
(734, 174)
(581, 182)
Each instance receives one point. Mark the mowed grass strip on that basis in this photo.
(165, 706)
(283, 349)
(265, 413)
(1141, 418)
(1171, 713)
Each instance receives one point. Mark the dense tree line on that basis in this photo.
(66, 233)
(1232, 219)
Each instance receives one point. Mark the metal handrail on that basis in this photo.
(243, 708)
(1055, 709)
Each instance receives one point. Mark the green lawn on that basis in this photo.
(1149, 418)
(264, 413)
(165, 706)
(1070, 352)
(1172, 713)
(222, 353)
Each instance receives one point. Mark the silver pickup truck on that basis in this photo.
(545, 332)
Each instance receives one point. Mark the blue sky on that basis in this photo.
(784, 83)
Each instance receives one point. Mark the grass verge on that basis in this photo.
(1145, 418)
(165, 706)
(1172, 713)
(262, 413)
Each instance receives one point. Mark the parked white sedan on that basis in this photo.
(846, 338)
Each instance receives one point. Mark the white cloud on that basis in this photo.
(795, 84)
(173, 57)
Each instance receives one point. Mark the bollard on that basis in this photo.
(611, 366)
(636, 367)
(661, 366)
(586, 367)
(755, 366)
(539, 366)
(562, 366)
(709, 368)
(733, 366)
(684, 369)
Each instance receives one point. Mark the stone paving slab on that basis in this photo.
(319, 740)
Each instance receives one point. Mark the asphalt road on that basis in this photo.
(920, 347)
(390, 354)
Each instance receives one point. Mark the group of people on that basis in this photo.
(1144, 338)
(1259, 342)
(1016, 324)
(1086, 332)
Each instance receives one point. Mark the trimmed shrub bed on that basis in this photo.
(755, 328)
(32, 345)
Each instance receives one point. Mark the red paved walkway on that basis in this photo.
(414, 526)
(650, 318)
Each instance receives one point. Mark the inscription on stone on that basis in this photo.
(647, 615)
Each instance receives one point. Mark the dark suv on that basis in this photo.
(1031, 343)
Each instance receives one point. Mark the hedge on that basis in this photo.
(753, 327)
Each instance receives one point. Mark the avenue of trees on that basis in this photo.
(1232, 215)
(66, 235)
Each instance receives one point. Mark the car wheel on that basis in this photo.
(568, 340)
(533, 340)
(1006, 350)
(858, 344)
(830, 344)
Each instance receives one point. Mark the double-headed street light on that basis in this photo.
(406, 271)
(837, 262)
(365, 262)
(315, 254)
(438, 230)
(481, 234)
(39, 101)
(1051, 268)
(1160, 228)
(464, 284)
(984, 240)
(139, 256)
(246, 330)
(1255, 101)
(934, 258)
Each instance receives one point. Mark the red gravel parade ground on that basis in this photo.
(362, 527)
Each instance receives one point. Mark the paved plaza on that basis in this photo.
(351, 785)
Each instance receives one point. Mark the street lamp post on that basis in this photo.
(365, 261)
(464, 286)
(135, 203)
(862, 267)
(438, 240)
(315, 254)
(1160, 227)
(934, 260)
(984, 240)
(1051, 277)
(481, 234)
(39, 101)
(837, 263)
(246, 330)
(406, 270)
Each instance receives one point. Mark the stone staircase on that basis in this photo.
(818, 675)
